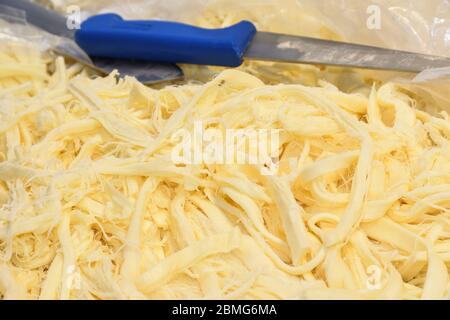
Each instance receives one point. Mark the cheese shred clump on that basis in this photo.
(93, 207)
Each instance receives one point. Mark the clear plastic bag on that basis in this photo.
(412, 25)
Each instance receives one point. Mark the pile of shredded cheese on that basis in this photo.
(92, 207)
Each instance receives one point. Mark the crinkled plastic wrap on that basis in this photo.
(14, 28)
(420, 26)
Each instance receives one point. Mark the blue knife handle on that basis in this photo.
(108, 35)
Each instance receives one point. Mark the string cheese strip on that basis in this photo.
(158, 274)
(386, 230)
(69, 258)
(131, 264)
(51, 284)
(291, 215)
(327, 165)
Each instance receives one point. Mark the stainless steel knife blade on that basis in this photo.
(41, 17)
(286, 48)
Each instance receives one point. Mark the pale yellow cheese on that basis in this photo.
(93, 207)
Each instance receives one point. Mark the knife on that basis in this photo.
(145, 71)
(108, 35)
